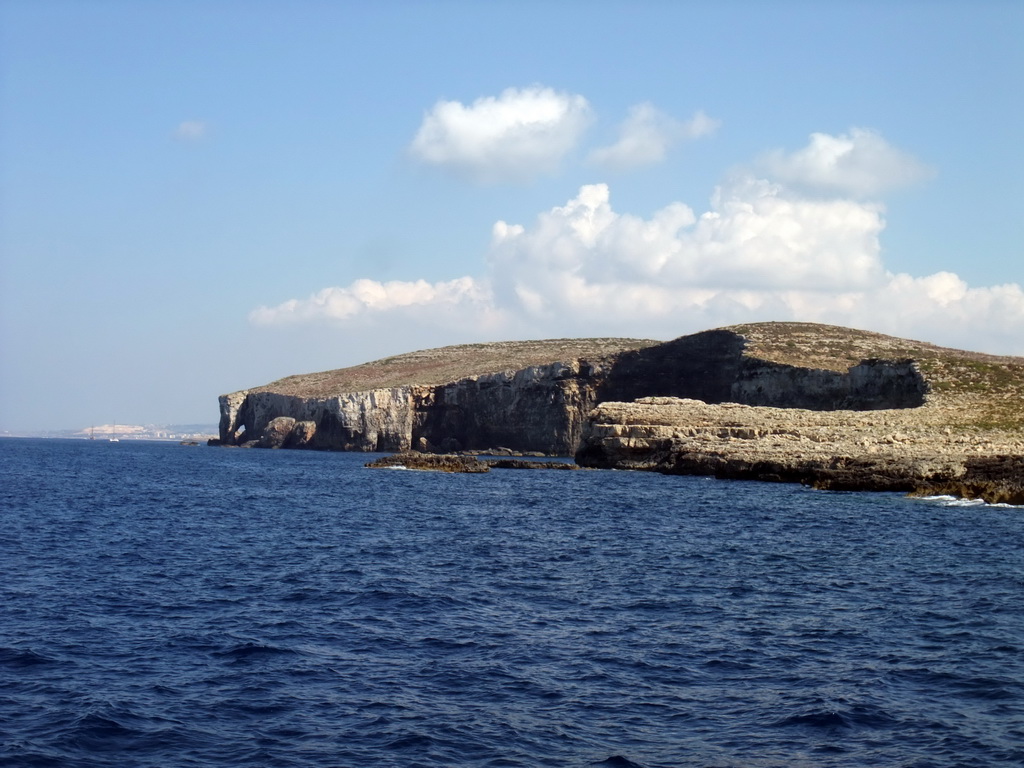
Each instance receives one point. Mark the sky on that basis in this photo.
(199, 197)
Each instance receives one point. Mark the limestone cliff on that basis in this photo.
(536, 396)
(525, 396)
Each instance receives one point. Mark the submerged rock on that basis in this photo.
(448, 462)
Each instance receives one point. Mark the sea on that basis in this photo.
(169, 605)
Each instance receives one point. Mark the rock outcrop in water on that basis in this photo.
(829, 406)
(458, 463)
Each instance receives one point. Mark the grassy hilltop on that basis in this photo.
(445, 364)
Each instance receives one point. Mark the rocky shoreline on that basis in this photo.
(905, 450)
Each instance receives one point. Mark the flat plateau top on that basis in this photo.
(445, 364)
(833, 347)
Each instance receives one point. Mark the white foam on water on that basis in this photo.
(956, 501)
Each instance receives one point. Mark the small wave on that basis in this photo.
(403, 600)
(988, 688)
(617, 761)
(15, 657)
(727, 664)
(249, 650)
(97, 726)
(417, 741)
(955, 501)
(449, 645)
(827, 719)
(113, 729)
(831, 719)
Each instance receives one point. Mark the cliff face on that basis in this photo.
(542, 405)
(375, 420)
(833, 408)
(540, 409)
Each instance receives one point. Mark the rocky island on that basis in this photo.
(794, 402)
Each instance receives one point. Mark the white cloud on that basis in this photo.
(761, 251)
(646, 136)
(367, 300)
(190, 130)
(753, 238)
(585, 263)
(860, 163)
(520, 134)
(942, 308)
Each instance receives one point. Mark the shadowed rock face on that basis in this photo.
(539, 409)
(703, 366)
(713, 367)
(544, 407)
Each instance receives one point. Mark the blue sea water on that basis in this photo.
(163, 605)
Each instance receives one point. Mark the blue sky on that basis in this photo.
(197, 197)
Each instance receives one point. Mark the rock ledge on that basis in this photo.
(907, 450)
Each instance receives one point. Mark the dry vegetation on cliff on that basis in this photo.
(445, 364)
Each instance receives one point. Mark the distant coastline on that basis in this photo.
(170, 432)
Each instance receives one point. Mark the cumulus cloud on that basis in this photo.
(646, 136)
(860, 163)
(763, 250)
(518, 135)
(580, 260)
(190, 130)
